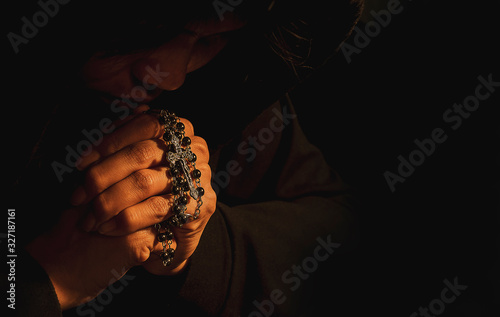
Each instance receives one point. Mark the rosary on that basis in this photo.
(185, 180)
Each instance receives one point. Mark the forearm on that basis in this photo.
(35, 295)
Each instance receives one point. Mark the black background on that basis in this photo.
(442, 222)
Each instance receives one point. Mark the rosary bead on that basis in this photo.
(186, 141)
(167, 137)
(161, 237)
(200, 191)
(182, 218)
(174, 171)
(178, 135)
(192, 158)
(164, 236)
(183, 200)
(178, 208)
(167, 256)
(185, 187)
(167, 262)
(180, 126)
(176, 190)
(196, 173)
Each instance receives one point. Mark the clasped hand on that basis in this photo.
(126, 191)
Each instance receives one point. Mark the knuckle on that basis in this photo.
(102, 206)
(188, 125)
(111, 144)
(140, 152)
(211, 200)
(151, 126)
(143, 180)
(125, 221)
(159, 207)
(140, 254)
(141, 245)
(200, 147)
(94, 179)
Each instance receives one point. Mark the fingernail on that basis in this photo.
(107, 227)
(79, 196)
(89, 223)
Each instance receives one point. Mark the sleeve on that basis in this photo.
(30, 289)
(282, 215)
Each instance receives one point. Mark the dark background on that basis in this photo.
(442, 222)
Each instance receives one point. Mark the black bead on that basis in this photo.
(185, 187)
(167, 262)
(176, 190)
(164, 236)
(192, 158)
(174, 171)
(167, 137)
(178, 208)
(196, 173)
(186, 141)
(171, 252)
(182, 218)
(161, 237)
(200, 191)
(183, 200)
(167, 257)
(169, 234)
(180, 126)
(178, 135)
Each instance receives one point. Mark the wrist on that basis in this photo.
(46, 259)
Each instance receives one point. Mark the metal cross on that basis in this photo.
(182, 155)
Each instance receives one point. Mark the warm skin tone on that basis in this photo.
(127, 188)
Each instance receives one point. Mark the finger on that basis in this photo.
(139, 246)
(141, 127)
(188, 127)
(127, 192)
(200, 148)
(157, 209)
(136, 111)
(145, 214)
(137, 156)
